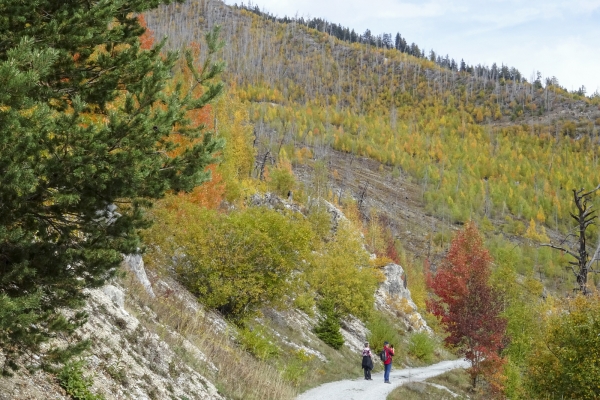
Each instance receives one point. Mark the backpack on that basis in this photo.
(383, 355)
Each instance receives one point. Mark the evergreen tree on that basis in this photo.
(387, 40)
(85, 145)
(328, 328)
(432, 55)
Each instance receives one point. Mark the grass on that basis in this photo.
(457, 381)
(305, 371)
(239, 375)
(252, 363)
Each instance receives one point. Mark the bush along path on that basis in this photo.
(359, 389)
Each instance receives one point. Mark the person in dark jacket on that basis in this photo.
(367, 361)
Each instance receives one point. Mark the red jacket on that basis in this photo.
(389, 352)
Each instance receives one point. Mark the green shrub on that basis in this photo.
(381, 330)
(305, 302)
(71, 379)
(320, 221)
(117, 372)
(281, 180)
(421, 346)
(296, 368)
(442, 238)
(235, 263)
(341, 272)
(566, 362)
(256, 341)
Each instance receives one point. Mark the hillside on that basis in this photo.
(152, 339)
(472, 147)
(292, 194)
(416, 150)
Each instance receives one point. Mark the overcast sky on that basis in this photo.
(557, 38)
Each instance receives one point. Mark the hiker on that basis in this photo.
(386, 357)
(367, 361)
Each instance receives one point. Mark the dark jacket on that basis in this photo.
(367, 361)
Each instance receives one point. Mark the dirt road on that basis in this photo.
(359, 389)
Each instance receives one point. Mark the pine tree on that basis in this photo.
(398, 41)
(328, 328)
(85, 126)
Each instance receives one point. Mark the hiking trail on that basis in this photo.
(360, 389)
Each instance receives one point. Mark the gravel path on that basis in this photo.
(359, 389)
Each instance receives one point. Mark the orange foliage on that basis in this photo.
(203, 116)
(210, 193)
(198, 117)
(147, 39)
(469, 308)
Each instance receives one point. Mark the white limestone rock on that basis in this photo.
(393, 296)
(115, 294)
(136, 264)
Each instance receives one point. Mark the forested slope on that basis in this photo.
(299, 199)
(477, 145)
(415, 149)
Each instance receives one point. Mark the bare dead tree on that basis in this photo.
(582, 265)
(262, 165)
(362, 196)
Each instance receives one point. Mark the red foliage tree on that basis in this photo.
(469, 308)
(391, 252)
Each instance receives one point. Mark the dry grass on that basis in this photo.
(457, 381)
(239, 375)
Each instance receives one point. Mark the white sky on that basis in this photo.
(556, 37)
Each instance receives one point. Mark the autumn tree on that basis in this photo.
(85, 131)
(566, 363)
(469, 308)
(235, 263)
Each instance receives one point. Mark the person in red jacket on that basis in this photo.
(387, 363)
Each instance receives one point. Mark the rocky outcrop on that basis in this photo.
(394, 297)
(115, 294)
(354, 332)
(352, 329)
(126, 361)
(135, 263)
(274, 202)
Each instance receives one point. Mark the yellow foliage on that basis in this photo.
(380, 262)
(342, 274)
(238, 155)
(374, 236)
(533, 234)
(235, 262)
(540, 216)
(566, 361)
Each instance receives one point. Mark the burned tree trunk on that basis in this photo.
(582, 265)
(262, 166)
(362, 197)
